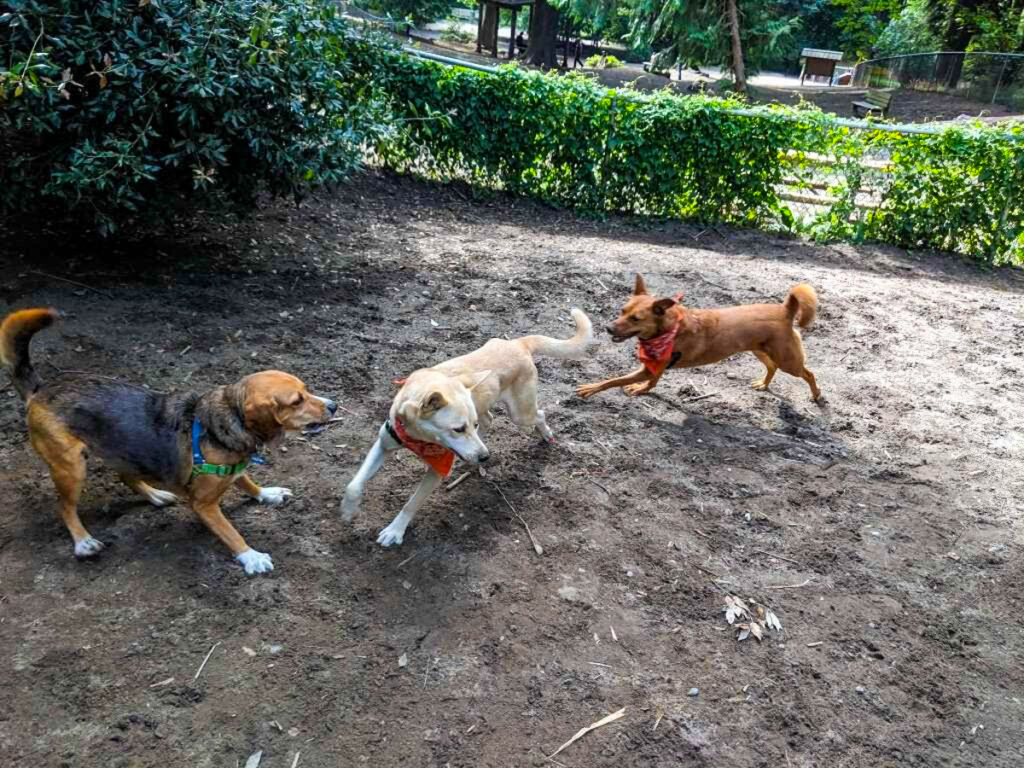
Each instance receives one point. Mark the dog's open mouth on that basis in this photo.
(618, 338)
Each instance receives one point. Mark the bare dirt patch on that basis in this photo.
(895, 507)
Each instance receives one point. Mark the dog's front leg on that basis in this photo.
(639, 375)
(395, 532)
(271, 496)
(373, 461)
(253, 562)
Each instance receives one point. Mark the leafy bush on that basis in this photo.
(602, 61)
(910, 32)
(114, 109)
(570, 142)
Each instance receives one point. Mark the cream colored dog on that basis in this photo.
(439, 413)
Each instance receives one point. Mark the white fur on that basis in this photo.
(395, 531)
(160, 498)
(273, 496)
(373, 461)
(88, 547)
(255, 562)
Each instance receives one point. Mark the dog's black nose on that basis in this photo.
(331, 406)
(483, 457)
(610, 329)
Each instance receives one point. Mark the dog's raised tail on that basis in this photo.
(563, 349)
(802, 304)
(16, 332)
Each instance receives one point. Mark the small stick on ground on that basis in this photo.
(208, 655)
(592, 727)
(708, 572)
(790, 586)
(457, 480)
(185, 351)
(779, 557)
(658, 720)
(536, 546)
(410, 557)
(295, 762)
(700, 397)
(71, 282)
(592, 480)
(815, 644)
(614, 636)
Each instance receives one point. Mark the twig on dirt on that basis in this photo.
(778, 557)
(699, 397)
(198, 671)
(708, 572)
(168, 681)
(592, 480)
(603, 286)
(786, 753)
(790, 586)
(536, 546)
(410, 557)
(614, 636)
(71, 282)
(185, 351)
(657, 720)
(430, 666)
(457, 480)
(599, 664)
(471, 728)
(584, 731)
(816, 643)
(295, 762)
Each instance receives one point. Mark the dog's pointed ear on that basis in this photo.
(662, 305)
(473, 380)
(431, 404)
(639, 287)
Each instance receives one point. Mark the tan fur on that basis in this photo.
(707, 336)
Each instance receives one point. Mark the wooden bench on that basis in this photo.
(874, 101)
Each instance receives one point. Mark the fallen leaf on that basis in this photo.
(254, 760)
(403, 660)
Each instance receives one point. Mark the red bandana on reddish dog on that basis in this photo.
(655, 353)
(437, 457)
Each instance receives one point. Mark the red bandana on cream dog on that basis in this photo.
(437, 457)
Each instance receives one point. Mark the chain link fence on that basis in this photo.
(993, 78)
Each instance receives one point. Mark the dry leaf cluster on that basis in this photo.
(755, 621)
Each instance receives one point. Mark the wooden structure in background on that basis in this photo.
(495, 8)
(819, 63)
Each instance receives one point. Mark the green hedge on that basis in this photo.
(114, 110)
(572, 143)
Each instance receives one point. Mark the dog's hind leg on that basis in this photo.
(395, 531)
(770, 368)
(384, 445)
(154, 496)
(790, 358)
(522, 408)
(64, 454)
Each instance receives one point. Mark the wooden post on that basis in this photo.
(479, 25)
(497, 23)
(512, 35)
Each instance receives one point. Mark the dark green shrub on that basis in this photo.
(112, 109)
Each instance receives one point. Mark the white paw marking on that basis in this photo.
(391, 535)
(349, 507)
(273, 496)
(161, 498)
(255, 562)
(88, 547)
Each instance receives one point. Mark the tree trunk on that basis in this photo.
(487, 27)
(541, 52)
(738, 69)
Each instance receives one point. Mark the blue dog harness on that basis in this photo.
(199, 465)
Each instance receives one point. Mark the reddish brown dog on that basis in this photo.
(195, 445)
(704, 336)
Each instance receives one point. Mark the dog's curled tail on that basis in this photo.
(563, 349)
(16, 332)
(802, 304)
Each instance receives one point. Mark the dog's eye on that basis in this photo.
(477, 425)
(298, 399)
(634, 318)
(459, 430)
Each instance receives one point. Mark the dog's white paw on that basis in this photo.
(255, 562)
(88, 547)
(160, 498)
(391, 535)
(349, 507)
(273, 496)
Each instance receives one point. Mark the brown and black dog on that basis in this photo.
(196, 446)
(672, 336)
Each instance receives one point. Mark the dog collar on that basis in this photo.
(200, 466)
(437, 457)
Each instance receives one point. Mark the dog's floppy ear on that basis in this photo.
(431, 404)
(473, 380)
(639, 287)
(662, 305)
(409, 411)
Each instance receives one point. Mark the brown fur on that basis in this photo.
(707, 336)
(145, 436)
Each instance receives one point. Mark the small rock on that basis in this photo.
(403, 660)
(860, 689)
(693, 692)
(572, 595)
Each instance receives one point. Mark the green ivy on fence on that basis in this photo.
(572, 143)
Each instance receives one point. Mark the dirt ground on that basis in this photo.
(884, 527)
